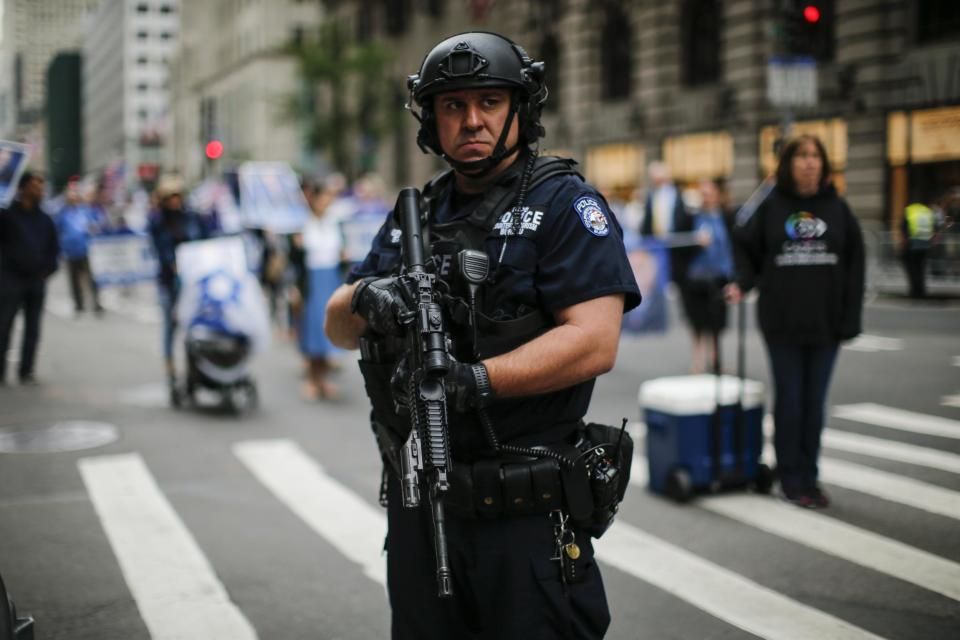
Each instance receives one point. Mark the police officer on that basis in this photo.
(528, 347)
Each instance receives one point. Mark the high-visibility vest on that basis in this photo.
(920, 221)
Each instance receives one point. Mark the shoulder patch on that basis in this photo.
(592, 216)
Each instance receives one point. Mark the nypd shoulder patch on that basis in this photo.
(592, 216)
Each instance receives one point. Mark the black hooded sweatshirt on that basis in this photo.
(29, 246)
(806, 256)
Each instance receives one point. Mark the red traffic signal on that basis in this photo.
(811, 14)
(214, 149)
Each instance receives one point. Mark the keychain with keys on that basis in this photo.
(567, 550)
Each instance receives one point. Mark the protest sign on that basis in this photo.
(13, 161)
(271, 198)
(650, 260)
(121, 259)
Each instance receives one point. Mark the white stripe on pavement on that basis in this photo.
(347, 522)
(175, 588)
(891, 450)
(845, 541)
(877, 414)
(885, 485)
(881, 448)
(719, 591)
(889, 486)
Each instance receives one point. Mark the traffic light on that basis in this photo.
(214, 149)
(808, 28)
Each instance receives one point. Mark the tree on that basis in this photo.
(345, 99)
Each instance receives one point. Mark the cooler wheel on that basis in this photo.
(679, 484)
(763, 482)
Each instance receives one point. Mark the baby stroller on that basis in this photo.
(224, 324)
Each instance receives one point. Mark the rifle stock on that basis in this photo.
(425, 458)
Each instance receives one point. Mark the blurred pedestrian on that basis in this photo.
(170, 225)
(666, 219)
(77, 222)
(710, 269)
(322, 245)
(917, 233)
(28, 256)
(804, 250)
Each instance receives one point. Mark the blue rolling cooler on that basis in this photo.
(704, 432)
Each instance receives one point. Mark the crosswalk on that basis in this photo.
(178, 593)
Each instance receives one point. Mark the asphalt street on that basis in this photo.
(199, 524)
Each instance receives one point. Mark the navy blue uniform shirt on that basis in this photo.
(569, 249)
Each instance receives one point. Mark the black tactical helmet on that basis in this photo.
(472, 60)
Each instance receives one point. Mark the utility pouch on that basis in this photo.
(488, 499)
(517, 489)
(547, 492)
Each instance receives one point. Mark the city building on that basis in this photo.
(127, 49)
(688, 82)
(233, 80)
(34, 32)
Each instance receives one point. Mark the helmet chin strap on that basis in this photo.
(480, 168)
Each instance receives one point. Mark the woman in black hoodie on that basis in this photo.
(803, 249)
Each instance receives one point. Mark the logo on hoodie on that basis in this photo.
(805, 246)
(803, 225)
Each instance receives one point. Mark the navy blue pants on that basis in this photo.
(15, 294)
(801, 376)
(505, 585)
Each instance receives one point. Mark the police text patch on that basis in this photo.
(592, 216)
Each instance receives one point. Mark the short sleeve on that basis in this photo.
(581, 251)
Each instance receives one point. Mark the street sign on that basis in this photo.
(792, 81)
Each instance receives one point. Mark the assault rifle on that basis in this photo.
(425, 457)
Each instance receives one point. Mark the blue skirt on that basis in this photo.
(323, 282)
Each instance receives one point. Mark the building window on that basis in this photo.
(142, 7)
(700, 28)
(550, 54)
(142, 87)
(166, 9)
(142, 60)
(434, 8)
(616, 59)
(142, 114)
(165, 35)
(141, 35)
(937, 20)
(398, 15)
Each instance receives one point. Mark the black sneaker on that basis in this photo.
(29, 381)
(818, 499)
(797, 497)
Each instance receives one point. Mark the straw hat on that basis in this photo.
(169, 185)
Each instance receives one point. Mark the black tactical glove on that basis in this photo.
(467, 386)
(383, 303)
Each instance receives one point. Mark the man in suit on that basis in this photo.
(666, 215)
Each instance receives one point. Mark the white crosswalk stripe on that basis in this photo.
(346, 521)
(851, 543)
(356, 529)
(892, 418)
(881, 448)
(719, 591)
(890, 486)
(175, 588)
(177, 592)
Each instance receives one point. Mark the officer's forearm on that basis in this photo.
(342, 326)
(583, 346)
